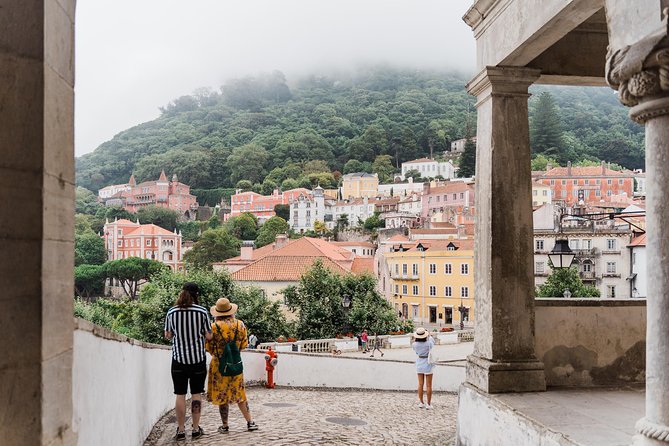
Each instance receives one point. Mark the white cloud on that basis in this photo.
(133, 56)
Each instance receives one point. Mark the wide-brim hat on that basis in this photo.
(421, 333)
(223, 307)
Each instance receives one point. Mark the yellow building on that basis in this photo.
(360, 185)
(431, 279)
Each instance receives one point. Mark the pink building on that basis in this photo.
(262, 206)
(124, 239)
(163, 193)
(439, 196)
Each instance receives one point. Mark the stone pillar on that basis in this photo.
(37, 224)
(641, 75)
(503, 359)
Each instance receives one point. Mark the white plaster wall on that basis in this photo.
(309, 370)
(120, 389)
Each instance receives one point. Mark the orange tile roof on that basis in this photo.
(442, 245)
(638, 241)
(589, 171)
(398, 238)
(454, 186)
(123, 221)
(282, 268)
(363, 264)
(149, 229)
(451, 230)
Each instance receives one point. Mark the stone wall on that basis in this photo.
(591, 342)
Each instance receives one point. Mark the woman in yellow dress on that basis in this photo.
(223, 390)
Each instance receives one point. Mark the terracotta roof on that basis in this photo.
(162, 177)
(149, 229)
(123, 221)
(367, 244)
(363, 264)
(638, 241)
(419, 160)
(455, 186)
(589, 171)
(398, 238)
(282, 268)
(435, 231)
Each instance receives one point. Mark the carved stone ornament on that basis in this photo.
(641, 70)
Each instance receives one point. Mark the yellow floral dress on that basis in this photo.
(225, 389)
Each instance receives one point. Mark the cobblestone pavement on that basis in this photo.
(372, 417)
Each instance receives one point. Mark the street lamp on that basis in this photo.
(561, 256)
(346, 304)
(567, 293)
(346, 301)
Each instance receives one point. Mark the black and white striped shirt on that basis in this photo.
(188, 326)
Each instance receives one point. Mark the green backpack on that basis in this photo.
(230, 361)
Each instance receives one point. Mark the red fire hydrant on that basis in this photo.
(270, 362)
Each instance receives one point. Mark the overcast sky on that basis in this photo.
(133, 56)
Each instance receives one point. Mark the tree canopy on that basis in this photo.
(214, 245)
(562, 279)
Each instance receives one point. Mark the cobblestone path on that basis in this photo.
(300, 417)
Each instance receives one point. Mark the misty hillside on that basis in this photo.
(254, 125)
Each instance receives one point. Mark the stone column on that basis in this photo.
(503, 359)
(37, 223)
(641, 75)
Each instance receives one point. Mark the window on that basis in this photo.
(455, 196)
(539, 267)
(587, 182)
(552, 182)
(574, 244)
(448, 268)
(405, 289)
(397, 268)
(414, 269)
(545, 192)
(415, 290)
(433, 290)
(397, 289)
(564, 194)
(611, 291)
(534, 192)
(448, 291)
(609, 182)
(120, 243)
(608, 193)
(587, 267)
(598, 193)
(148, 242)
(610, 267)
(586, 244)
(433, 268)
(464, 291)
(611, 244)
(405, 268)
(462, 195)
(539, 245)
(564, 182)
(621, 181)
(575, 182)
(464, 269)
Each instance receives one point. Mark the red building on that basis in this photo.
(163, 193)
(262, 206)
(124, 239)
(594, 184)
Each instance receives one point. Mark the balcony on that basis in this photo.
(588, 275)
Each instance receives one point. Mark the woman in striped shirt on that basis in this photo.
(187, 326)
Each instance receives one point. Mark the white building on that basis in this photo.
(602, 257)
(639, 277)
(356, 210)
(639, 183)
(429, 168)
(306, 209)
(400, 189)
(459, 144)
(109, 191)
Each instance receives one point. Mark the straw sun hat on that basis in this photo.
(420, 333)
(223, 307)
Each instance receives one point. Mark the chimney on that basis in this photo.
(568, 168)
(280, 241)
(603, 164)
(549, 166)
(247, 250)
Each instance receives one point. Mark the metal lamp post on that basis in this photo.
(346, 304)
(462, 310)
(561, 256)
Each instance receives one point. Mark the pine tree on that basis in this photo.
(546, 134)
(468, 160)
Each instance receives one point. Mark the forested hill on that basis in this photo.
(254, 125)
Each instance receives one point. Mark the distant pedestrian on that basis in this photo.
(359, 336)
(364, 337)
(187, 325)
(422, 345)
(253, 341)
(377, 345)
